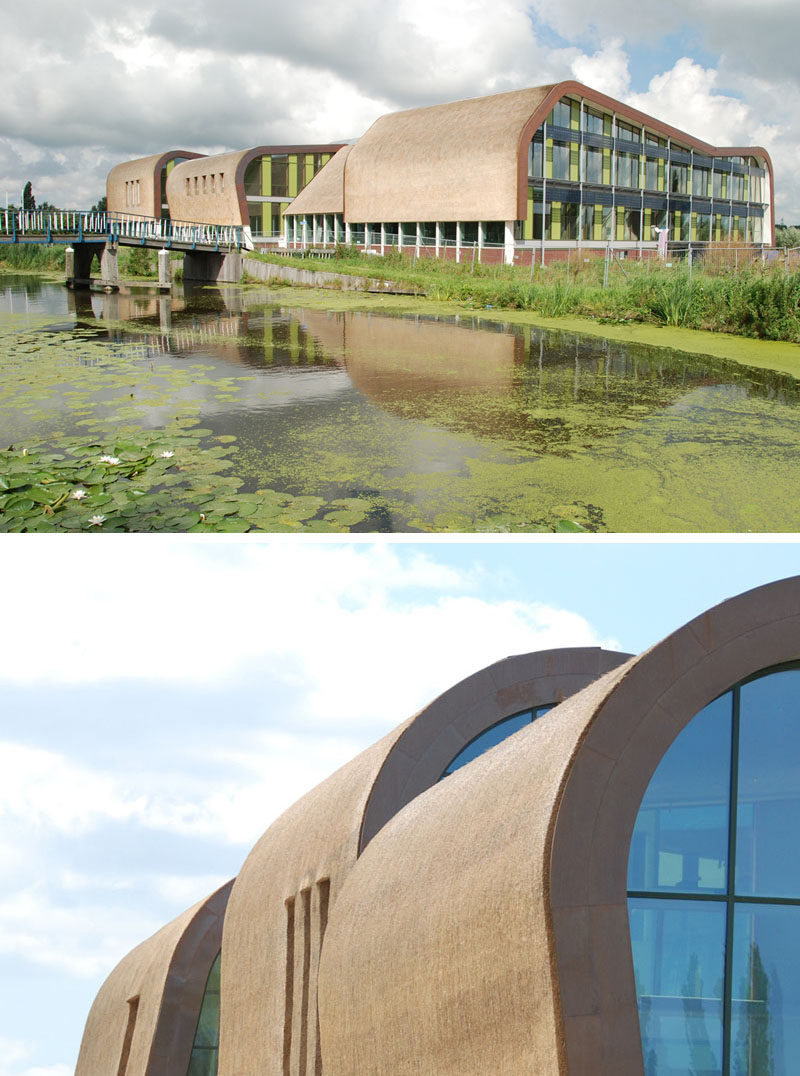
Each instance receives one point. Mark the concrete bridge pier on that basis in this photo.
(213, 267)
(109, 268)
(78, 265)
(164, 277)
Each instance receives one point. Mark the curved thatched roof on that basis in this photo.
(147, 170)
(449, 162)
(327, 187)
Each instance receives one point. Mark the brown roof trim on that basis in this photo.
(258, 151)
(561, 89)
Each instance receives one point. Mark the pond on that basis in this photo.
(231, 408)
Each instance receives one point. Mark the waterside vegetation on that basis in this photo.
(756, 301)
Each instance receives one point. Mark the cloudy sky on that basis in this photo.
(164, 700)
(86, 85)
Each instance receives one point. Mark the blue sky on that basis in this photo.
(209, 77)
(165, 699)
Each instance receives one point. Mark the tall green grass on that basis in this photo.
(756, 301)
(38, 257)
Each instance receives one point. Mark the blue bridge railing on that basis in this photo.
(75, 225)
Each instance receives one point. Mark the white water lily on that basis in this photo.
(109, 459)
(96, 521)
(78, 494)
(167, 455)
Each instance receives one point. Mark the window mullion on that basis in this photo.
(731, 888)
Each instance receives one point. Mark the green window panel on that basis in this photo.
(607, 167)
(575, 115)
(647, 225)
(293, 179)
(574, 161)
(309, 169)
(662, 182)
(548, 159)
(620, 223)
(555, 220)
(528, 230)
(266, 176)
(607, 128)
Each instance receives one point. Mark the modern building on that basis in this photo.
(251, 188)
(522, 173)
(572, 863)
(140, 187)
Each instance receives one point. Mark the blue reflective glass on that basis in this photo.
(678, 959)
(205, 1049)
(765, 1008)
(494, 735)
(768, 819)
(680, 839)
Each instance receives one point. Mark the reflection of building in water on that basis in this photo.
(572, 863)
(549, 390)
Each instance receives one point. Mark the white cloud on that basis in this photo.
(605, 70)
(309, 72)
(81, 941)
(333, 617)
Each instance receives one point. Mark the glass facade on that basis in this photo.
(494, 735)
(602, 164)
(714, 889)
(270, 183)
(205, 1048)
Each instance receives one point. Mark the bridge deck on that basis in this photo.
(68, 227)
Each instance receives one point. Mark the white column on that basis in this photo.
(481, 235)
(458, 241)
(347, 233)
(400, 236)
(438, 237)
(509, 243)
(419, 238)
(383, 237)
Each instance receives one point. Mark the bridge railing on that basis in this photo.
(77, 225)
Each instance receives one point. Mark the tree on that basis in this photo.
(787, 236)
(101, 205)
(28, 201)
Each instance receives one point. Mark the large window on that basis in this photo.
(714, 889)
(494, 735)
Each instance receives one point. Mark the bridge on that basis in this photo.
(212, 251)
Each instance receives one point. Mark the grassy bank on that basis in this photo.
(135, 263)
(753, 302)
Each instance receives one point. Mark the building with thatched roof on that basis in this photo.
(549, 168)
(139, 187)
(572, 863)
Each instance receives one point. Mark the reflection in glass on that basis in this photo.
(769, 790)
(494, 735)
(678, 949)
(680, 840)
(205, 1048)
(765, 1010)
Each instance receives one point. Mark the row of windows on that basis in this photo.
(266, 218)
(590, 164)
(133, 194)
(214, 183)
(604, 223)
(569, 115)
(282, 175)
(330, 228)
